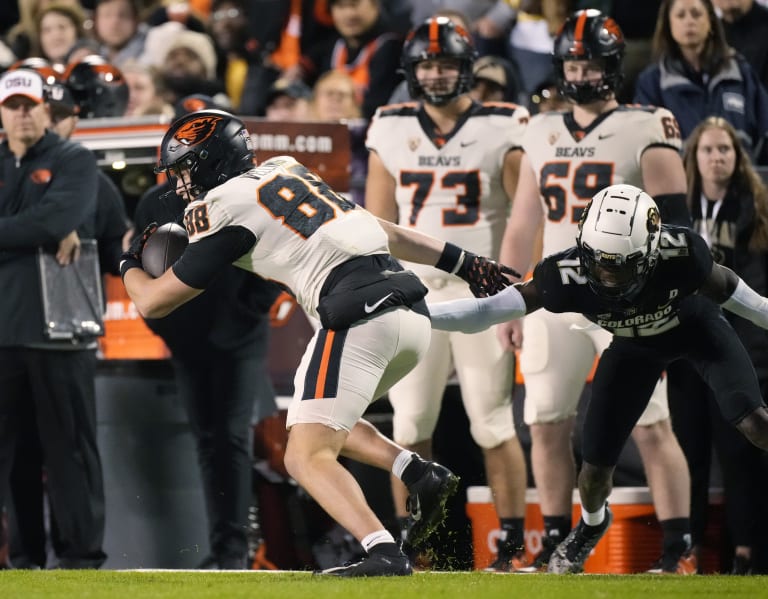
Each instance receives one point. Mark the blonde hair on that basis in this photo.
(333, 76)
(744, 180)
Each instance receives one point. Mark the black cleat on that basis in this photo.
(372, 565)
(426, 502)
(570, 555)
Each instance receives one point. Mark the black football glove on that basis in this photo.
(131, 258)
(485, 276)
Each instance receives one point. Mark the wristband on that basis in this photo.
(451, 259)
(126, 264)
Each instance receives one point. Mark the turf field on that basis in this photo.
(17, 584)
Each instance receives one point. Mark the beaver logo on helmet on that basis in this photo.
(197, 130)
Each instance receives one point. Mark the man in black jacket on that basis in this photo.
(47, 190)
(26, 521)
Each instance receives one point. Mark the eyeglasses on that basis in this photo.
(16, 102)
(225, 13)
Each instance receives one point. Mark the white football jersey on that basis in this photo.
(573, 164)
(303, 228)
(450, 186)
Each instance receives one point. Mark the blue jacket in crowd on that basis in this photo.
(734, 93)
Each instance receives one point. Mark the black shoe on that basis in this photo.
(570, 555)
(742, 566)
(426, 501)
(372, 565)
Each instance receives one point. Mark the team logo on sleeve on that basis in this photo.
(197, 130)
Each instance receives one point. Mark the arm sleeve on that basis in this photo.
(749, 304)
(472, 315)
(205, 258)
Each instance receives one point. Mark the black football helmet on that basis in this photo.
(213, 146)
(438, 37)
(99, 87)
(590, 35)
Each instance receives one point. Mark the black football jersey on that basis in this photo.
(683, 266)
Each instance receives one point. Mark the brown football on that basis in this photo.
(163, 248)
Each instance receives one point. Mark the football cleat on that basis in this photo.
(570, 555)
(684, 564)
(742, 565)
(541, 561)
(509, 562)
(426, 502)
(372, 565)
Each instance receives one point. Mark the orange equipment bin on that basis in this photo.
(126, 336)
(631, 545)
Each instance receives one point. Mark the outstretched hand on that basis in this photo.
(485, 276)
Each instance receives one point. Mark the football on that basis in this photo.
(163, 248)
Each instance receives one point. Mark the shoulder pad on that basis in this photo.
(404, 109)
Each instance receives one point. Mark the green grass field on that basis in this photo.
(18, 584)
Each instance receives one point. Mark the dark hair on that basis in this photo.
(716, 51)
(744, 179)
(134, 4)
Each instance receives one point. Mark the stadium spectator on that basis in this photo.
(366, 47)
(697, 74)
(59, 26)
(288, 101)
(145, 91)
(729, 205)
(489, 21)
(117, 26)
(495, 80)
(23, 36)
(530, 40)
(745, 23)
(333, 98)
(189, 67)
(228, 26)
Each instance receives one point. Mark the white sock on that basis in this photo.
(593, 518)
(401, 461)
(380, 536)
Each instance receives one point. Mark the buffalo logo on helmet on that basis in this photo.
(197, 130)
(654, 220)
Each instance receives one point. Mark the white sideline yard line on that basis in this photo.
(308, 572)
(166, 570)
